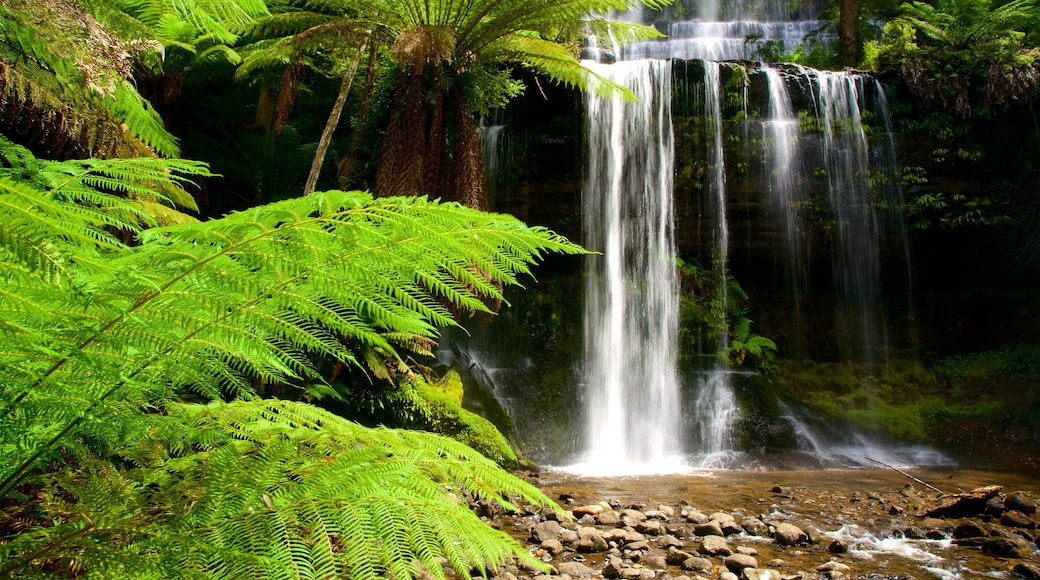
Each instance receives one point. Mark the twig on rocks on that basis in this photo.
(901, 472)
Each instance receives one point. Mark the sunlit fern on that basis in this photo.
(107, 468)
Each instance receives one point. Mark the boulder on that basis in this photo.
(697, 564)
(676, 557)
(650, 528)
(1017, 519)
(694, 516)
(711, 528)
(654, 562)
(608, 518)
(1027, 571)
(575, 569)
(738, 562)
(553, 546)
(754, 527)
(1021, 502)
(613, 567)
(669, 541)
(543, 531)
(715, 546)
(789, 535)
(969, 529)
(1013, 547)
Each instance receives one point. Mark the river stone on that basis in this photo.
(667, 510)
(586, 520)
(728, 576)
(669, 541)
(813, 535)
(759, 574)
(1026, 571)
(969, 529)
(789, 534)
(589, 510)
(695, 516)
(654, 561)
(1021, 502)
(1017, 519)
(676, 557)
(708, 529)
(553, 546)
(833, 566)
(838, 546)
(608, 518)
(650, 528)
(1013, 547)
(634, 515)
(738, 562)
(697, 564)
(747, 550)
(590, 544)
(568, 536)
(543, 531)
(613, 567)
(995, 506)
(715, 546)
(722, 517)
(655, 515)
(637, 546)
(588, 531)
(754, 527)
(730, 527)
(575, 569)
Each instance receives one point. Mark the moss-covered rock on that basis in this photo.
(437, 407)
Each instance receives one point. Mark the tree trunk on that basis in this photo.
(346, 167)
(848, 33)
(468, 185)
(330, 125)
(400, 170)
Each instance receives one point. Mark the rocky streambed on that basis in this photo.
(783, 526)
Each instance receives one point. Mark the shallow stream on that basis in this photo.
(870, 510)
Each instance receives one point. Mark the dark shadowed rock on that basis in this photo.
(1021, 502)
(969, 529)
(1014, 547)
(1027, 571)
(1017, 519)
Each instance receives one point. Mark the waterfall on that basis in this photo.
(631, 311)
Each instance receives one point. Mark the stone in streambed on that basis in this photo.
(715, 546)
(1026, 571)
(969, 529)
(669, 541)
(613, 567)
(654, 562)
(650, 528)
(754, 526)
(759, 574)
(697, 564)
(575, 569)
(590, 544)
(546, 531)
(553, 546)
(590, 510)
(738, 562)
(608, 518)
(1021, 502)
(1013, 547)
(789, 535)
(711, 528)
(1017, 519)
(694, 516)
(676, 557)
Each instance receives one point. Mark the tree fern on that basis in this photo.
(113, 477)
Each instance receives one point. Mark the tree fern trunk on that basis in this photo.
(468, 175)
(333, 122)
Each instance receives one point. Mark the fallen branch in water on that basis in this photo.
(901, 472)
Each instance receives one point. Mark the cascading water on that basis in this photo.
(631, 321)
